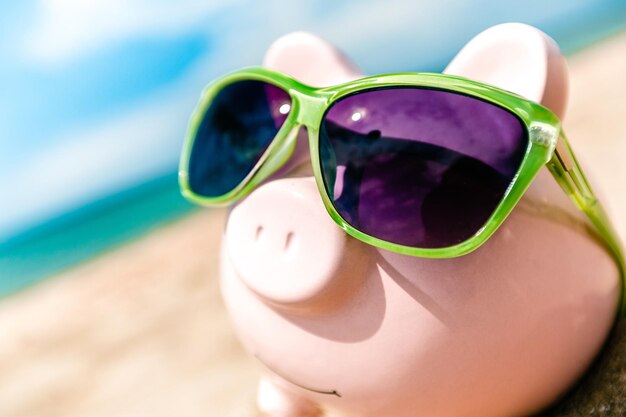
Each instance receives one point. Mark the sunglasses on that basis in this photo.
(420, 164)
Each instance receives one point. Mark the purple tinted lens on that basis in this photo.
(235, 131)
(419, 167)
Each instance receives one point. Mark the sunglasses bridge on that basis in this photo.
(309, 106)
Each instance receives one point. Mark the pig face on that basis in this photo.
(342, 326)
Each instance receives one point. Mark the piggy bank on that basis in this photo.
(342, 328)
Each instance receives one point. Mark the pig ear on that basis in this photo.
(518, 58)
(310, 59)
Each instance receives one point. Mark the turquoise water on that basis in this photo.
(85, 233)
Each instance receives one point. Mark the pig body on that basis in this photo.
(349, 329)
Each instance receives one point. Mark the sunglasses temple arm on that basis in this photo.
(568, 173)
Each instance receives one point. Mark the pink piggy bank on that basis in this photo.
(346, 329)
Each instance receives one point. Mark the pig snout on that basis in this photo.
(284, 246)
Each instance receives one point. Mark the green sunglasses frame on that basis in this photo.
(547, 146)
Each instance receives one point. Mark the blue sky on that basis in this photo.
(95, 94)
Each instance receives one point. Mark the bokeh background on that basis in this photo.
(109, 300)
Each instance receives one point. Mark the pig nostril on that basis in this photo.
(288, 240)
(259, 230)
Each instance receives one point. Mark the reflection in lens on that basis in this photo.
(236, 129)
(419, 167)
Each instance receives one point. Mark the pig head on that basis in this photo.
(347, 329)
